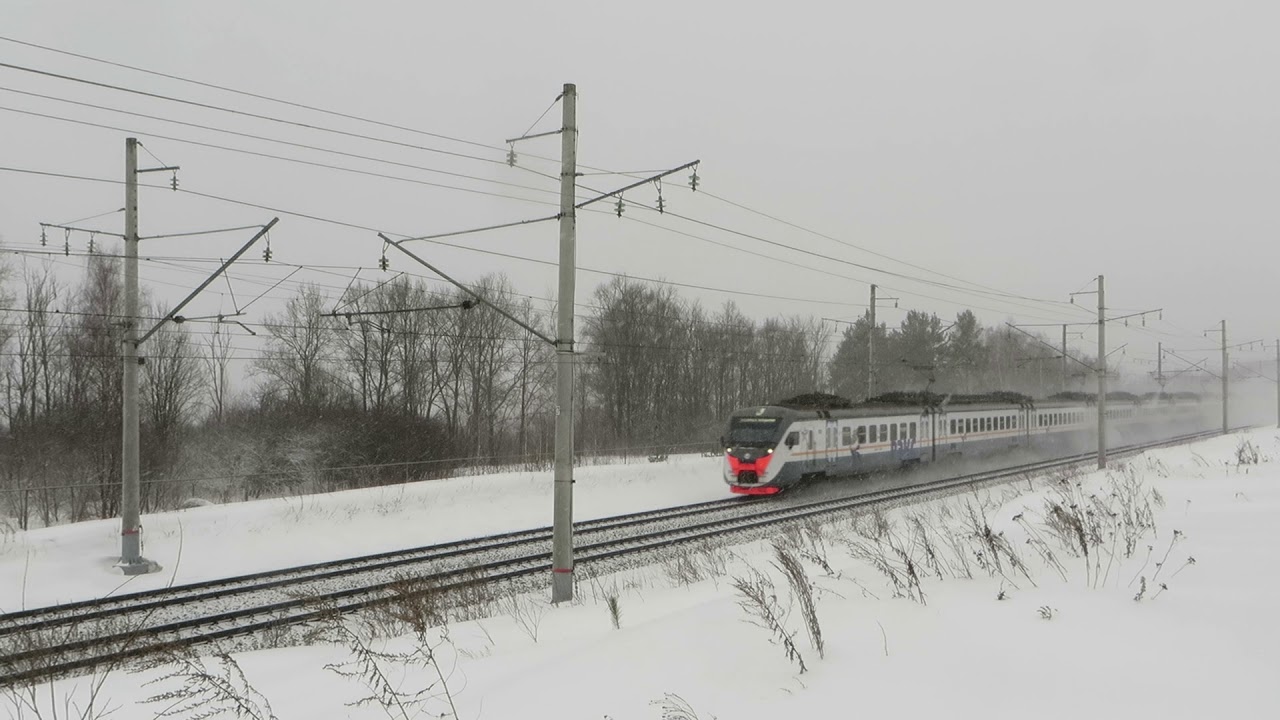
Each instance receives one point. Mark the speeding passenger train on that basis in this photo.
(770, 447)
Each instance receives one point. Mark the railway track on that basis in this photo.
(64, 639)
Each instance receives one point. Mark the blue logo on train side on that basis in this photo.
(902, 445)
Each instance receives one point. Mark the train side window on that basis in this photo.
(873, 434)
(913, 431)
(793, 438)
(862, 434)
(884, 432)
(893, 432)
(953, 427)
(846, 435)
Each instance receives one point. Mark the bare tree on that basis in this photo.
(171, 382)
(295, 364)
(217, 365)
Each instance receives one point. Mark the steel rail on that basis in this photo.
(45, 618)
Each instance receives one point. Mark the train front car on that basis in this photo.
(753, 450)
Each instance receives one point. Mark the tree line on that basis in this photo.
(394, 381)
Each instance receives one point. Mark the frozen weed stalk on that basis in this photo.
(526, 612)
(759, 599)
(675, 707)
(879, 546)
(1247, 453)
(203, 691)
(615, 609)
(801, 589)
(383, 674)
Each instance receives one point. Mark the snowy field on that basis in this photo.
(1150, 591)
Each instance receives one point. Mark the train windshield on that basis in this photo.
(760, 431)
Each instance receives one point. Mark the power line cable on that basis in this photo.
(245, 93)
(243, 113)
(284, 158)
(263, 138)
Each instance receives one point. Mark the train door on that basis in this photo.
(833, 442)
(810, 454)
(937, 427)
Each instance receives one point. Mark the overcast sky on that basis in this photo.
(1019, 148)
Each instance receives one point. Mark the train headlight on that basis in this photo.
(770, 451)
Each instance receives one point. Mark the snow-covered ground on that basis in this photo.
(1068, 638)
(73, 562)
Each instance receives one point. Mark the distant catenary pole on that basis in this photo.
(871, 348)
(1225, 383)
(1102, 375)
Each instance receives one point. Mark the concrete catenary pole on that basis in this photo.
(1160, 366)
(1064, 357)
(1225, 384)
(871, 349)
(562, 528)
(131, 560)
(1102, 375)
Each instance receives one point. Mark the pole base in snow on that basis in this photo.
(141, 566)
(561, 586)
